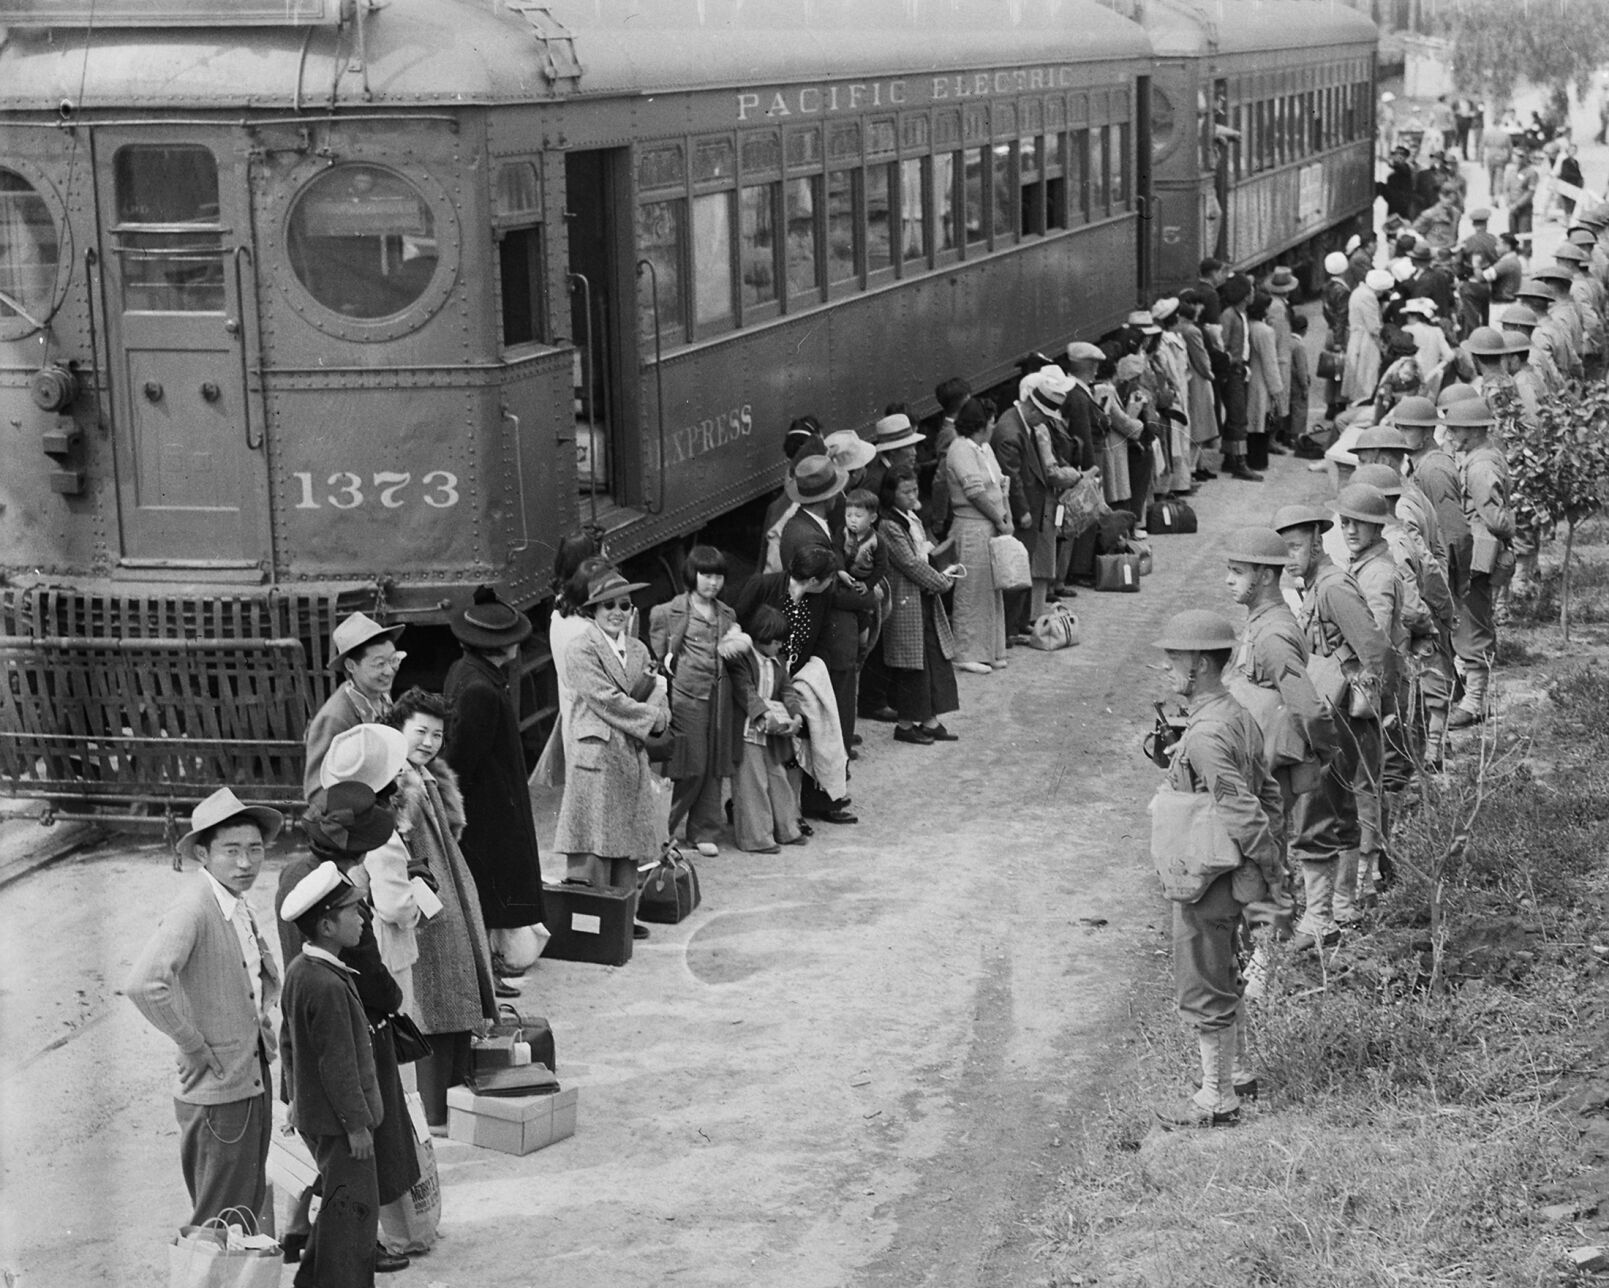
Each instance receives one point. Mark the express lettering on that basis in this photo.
(709, 434)
(819, 100)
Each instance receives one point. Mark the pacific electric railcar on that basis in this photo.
(308, 307)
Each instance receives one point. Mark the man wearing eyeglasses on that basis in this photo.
(208, 980)
(366, 654)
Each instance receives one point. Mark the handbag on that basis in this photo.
(1056, 628)
(522, 1080)
(1190, 846)
(1331, 364)
(669, 890)
(409, 1042)
(514, 1026)
(1170, 517)
(1118, 572)
(660, 746)
(1008, 561)
(1080, 507)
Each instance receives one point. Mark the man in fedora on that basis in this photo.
(483, 747)
(208, 980)
(365, 654)
(1041, 396)
(895, 440)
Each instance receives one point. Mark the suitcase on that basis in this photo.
(510, 1023)
(589, 924)
(1118, 572)
(669, 892)
(1170, 517)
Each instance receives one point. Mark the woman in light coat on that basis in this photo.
(917, 644)
(608, 819)
(1363, 323)
(980, 511)
(1265, 390)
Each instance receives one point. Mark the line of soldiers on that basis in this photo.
(1305, 728)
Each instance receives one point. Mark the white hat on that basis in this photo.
(1401, 270)
(1353, 243)
(370, 754)
(1378, 280)
(1388, 97)
(1084, 351)
(1420, 305)
(849, 450)
(223, 806)
(1335, 263)
(1162, 310)
(322, 889)
(1142, 319)
(1054, 384)
(894, 431)
(356, 631)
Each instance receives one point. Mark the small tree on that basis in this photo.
(1558, 462)
(1550, 43)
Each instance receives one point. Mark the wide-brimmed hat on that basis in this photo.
(1420, 305)
(1385, 438)
(1420, 253)
(1197, 629)
(893, 432)
(372, 754)
(609, 583)
(1164, 309)
(1084, 351)
(1379, 280)
(1471, 413)
(1049, 387)
(814, 479)
(1300, 516)
(487, 622)
(1382, 478)
(1255, 546)
(224, 806)
(1488, 342)
(347, 818)
(1281, 282)
(849, 451)
(1364, 504)
(1415, 412)
(322, 890)
(1142, 320)
(356, 631)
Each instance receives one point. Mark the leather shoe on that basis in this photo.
(1204, 476)
(387, 1262)
(501, 967)
(1462, 718)
(1278, 449)
(504, 990)
(837, 814)
(638, 930)
(805, 829)
(921, 737)
(1245, 475)
(939, 733)
(886, 715)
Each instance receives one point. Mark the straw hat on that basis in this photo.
(372, 754)
(893, 432)
(814, 479)
(849, 451)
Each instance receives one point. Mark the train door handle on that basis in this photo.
(232, 326)
(210, 391)
(153, 391)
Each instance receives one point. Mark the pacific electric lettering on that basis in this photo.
(858, 96)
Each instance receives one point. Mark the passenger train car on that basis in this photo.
(308, 306)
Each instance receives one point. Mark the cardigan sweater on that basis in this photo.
(191, 982)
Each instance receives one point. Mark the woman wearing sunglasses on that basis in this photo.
(607, 819)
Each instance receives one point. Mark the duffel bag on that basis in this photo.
(1118, 572)
(1056, 628)
(669, 891)
(1173, 517)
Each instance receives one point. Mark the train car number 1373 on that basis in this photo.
(389, 488)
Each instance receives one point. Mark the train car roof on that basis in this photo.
(455, 52)
(1192, 28)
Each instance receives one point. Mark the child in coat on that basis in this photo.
(765, 813)
(1301, 379)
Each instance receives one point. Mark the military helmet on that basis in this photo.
(1299, 516)
(1454, 394)
(1487, 342)
(1413, 413)
(1197, 630)
(1473, 413)
(1364, 503)
(1255, 546)
(1384, 438)
(1382, 478)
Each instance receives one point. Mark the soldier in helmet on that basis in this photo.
(1553, 333)
(1483, 474)
(1387, 445)
(1496, 360)
(1346, 651)
(1588, 295)
(1220, 755)
(1273, 656)
(1519, 326)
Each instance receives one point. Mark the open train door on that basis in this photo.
(177, 285)
(1150, 229)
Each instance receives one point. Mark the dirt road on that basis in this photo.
(853, 1066)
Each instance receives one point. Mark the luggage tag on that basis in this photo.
(1061, 514)
(1128, 573)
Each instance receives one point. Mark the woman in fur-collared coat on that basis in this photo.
(609, 818)
(453, 987)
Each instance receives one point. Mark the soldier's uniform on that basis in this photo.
(1483, 476)
(1378, 577)
(1435, 473)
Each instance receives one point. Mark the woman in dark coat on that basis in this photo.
(917, 646)
(483, 748)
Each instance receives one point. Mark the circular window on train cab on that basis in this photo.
(32, 254)
(1164, 124)
(374, 248)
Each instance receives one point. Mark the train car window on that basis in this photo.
(1055, 113)
(914, 204)
(661, 167)
(660, 230)
(30, 254)
(881, 138)
(946, 130)
(801, 218)
(913, 132)
(1315, 124)
(762, 153)
(1349, 113)
(946, 232)
(1120, 167)
(757, 232)
(882, 187)
(843, 143)
(1058, 213)
(1031, 186)
(713, 160)
(180, 268)
(519, 192)
(841, 223)
(1100, 170)
(1002, 195)
(519, 266)
(975, 124)
(713, 308)
(804, 148)
(1078, 176)
(976, 161)
(362, 241)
